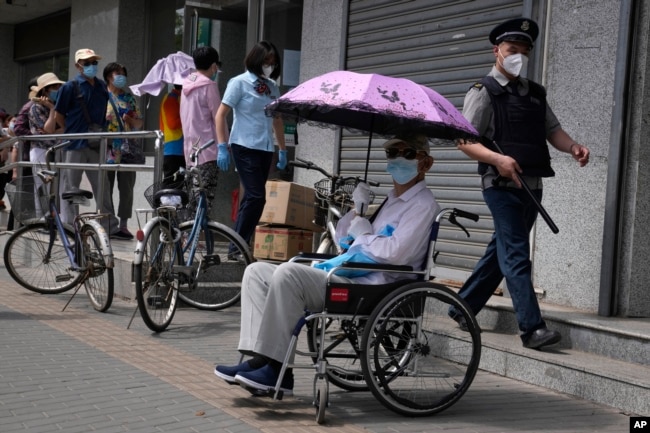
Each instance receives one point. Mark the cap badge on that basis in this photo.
(525, 26)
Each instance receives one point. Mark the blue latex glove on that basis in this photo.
(223, 157)
(354, 255)
(282, 160)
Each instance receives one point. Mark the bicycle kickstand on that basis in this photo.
(73, 295)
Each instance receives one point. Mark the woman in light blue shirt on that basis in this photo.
(250, 141)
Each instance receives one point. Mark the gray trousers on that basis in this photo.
(273, 299)
(71, 179)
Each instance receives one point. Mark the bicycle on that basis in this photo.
(333, 199)
(47, 256)
(199, 261)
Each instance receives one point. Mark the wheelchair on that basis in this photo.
(397, 340)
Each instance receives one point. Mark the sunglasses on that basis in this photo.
(94, 63)
(408, 153)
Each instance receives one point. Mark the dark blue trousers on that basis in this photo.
(508, 255)
(253, 167)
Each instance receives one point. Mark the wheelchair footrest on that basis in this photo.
(262, 393)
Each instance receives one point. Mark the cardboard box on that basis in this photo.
(281, 243)
(290, 204)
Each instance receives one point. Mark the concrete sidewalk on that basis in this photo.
(81, 371)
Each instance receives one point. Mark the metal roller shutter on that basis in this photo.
(442, 45)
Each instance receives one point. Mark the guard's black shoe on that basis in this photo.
(542, 337)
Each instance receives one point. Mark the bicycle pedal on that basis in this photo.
(185, 277)
(185, 271)
(62, 278)
(211, 260)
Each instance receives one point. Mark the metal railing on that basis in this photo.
(102, 166)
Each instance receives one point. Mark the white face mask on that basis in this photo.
(267, 70)
(514, 63)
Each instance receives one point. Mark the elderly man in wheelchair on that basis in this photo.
(274, 297)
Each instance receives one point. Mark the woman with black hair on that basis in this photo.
(251, 140)
(122, 114)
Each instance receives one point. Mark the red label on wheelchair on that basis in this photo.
(339, 294)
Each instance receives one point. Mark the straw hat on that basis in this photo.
(47, 79)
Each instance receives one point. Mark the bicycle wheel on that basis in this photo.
(30, 264)
(342, 338)
(155, 282)
(217, 273)
(98, 280)
(416, 360)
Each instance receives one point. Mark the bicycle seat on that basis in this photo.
(170, 191)
(74, 193)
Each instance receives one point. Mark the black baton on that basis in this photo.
(540, 208)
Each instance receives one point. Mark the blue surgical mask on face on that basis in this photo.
(90, 71)
(403, 170)
(52, 95)
(119, 81)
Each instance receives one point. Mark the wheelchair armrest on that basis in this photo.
(311, 257)
(377, 266)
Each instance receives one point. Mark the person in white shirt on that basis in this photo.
(274, 297)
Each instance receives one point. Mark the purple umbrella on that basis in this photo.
(374, 103)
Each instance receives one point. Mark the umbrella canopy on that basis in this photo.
(168, 70)
(373, 103)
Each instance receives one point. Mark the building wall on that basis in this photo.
(323, 44)
(634, 272)
(94, 25)
(11, 97)
(579, 75)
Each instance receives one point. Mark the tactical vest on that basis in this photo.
(520, 130)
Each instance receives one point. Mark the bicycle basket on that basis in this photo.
(184, 214)
(29, 198)
(342, 197)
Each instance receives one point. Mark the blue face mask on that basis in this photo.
(119, 81)
(53, 94)
(403, 170)
(90, 71)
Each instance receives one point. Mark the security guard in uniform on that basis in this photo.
(512, 111)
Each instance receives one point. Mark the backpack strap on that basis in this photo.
(82, 102)
(116, 112)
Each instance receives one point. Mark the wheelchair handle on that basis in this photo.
(462, 214)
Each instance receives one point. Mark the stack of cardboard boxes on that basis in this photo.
(286, 226)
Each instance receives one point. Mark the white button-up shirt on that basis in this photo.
(411, 215)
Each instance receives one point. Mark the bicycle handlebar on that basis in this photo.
(196, 153)
(54, 148)
(308, 165)
(303, 163)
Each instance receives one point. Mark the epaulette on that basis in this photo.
(477, 86)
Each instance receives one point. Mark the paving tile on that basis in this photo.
(80, 370)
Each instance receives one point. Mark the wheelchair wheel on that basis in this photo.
(321, 397)
(414, 357)
(340, 351)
